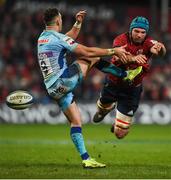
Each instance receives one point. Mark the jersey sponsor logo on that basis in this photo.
(43, 41)
(45, 54)
(69, 40)
(59, 89)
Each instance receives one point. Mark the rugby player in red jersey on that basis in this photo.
(118, 93)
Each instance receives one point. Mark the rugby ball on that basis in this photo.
(19, 100)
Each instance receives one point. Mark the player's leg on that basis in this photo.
(106, 102)
(127, 105)
(72, 113)
(108, 67)
(87, 63)
(61, 91)
(122, 124)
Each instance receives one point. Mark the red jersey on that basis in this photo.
(134, 49)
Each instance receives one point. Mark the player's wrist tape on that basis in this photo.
(77, 25)
(111, 51)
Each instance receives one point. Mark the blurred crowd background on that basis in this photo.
(21, 23)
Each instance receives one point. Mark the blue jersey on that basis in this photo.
(52, 47)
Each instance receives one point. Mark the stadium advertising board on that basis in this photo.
(148, 113)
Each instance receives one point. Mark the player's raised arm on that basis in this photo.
(73, 33)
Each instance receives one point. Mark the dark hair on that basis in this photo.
(49, 15)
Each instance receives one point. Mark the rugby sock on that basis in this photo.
(108, 67)
(77, 138)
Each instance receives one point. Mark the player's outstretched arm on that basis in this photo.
(74, 32)
(89, 52)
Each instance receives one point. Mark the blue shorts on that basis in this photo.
(62, 89)
(127, 97)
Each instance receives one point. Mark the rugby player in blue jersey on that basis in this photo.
(61, 79)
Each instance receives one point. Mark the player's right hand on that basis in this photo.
(140, 59)
(121, 53)
(80, 16)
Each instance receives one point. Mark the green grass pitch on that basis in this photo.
(46, 151)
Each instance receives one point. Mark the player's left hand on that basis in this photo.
(80, 16)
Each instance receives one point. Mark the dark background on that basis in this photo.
(21, 24)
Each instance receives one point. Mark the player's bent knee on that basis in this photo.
(122, 125)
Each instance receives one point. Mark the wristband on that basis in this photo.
(77, 25)
(111, 51)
